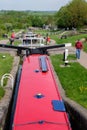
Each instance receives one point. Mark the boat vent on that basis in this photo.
(36, 71)
(43, 63)
(39, 95)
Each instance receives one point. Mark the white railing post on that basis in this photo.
(9, 76)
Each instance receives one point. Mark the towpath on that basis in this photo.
(72, 50)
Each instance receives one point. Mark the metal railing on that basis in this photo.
(9, 76)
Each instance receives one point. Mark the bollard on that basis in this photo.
(66, 54)
(65, 57)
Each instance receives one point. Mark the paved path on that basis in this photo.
(83, 59)
(72, 50)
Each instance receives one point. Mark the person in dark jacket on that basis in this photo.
(79, 46)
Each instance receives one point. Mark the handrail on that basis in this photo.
(9, 76)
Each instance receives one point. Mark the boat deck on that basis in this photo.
(39, 105)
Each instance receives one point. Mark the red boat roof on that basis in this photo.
(38, 99)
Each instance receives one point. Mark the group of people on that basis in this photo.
(78, 44)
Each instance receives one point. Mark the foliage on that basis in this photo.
(73, 79)
(10, 20)
(63, 17)
(2, 92)
(5, 67)
(72, 15)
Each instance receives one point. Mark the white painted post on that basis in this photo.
(9, 76)
(66, 54)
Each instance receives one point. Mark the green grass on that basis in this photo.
(5, 67)
(85, 46)
(70, 39)
(2, 92)
(42, 32)
(16, 42)
(73, 79)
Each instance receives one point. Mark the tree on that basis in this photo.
(37, 21)
(63, 17)
(78, 9)
(8, 26)
(72, 15)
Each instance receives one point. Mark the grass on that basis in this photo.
(71, 39)
(5, 67)
(2, 92)
(55, 36)
(16, 42)
(42, 32)
(73, 79)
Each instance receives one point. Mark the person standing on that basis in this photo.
(12, 38)
(79, 46)
(47, 40)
